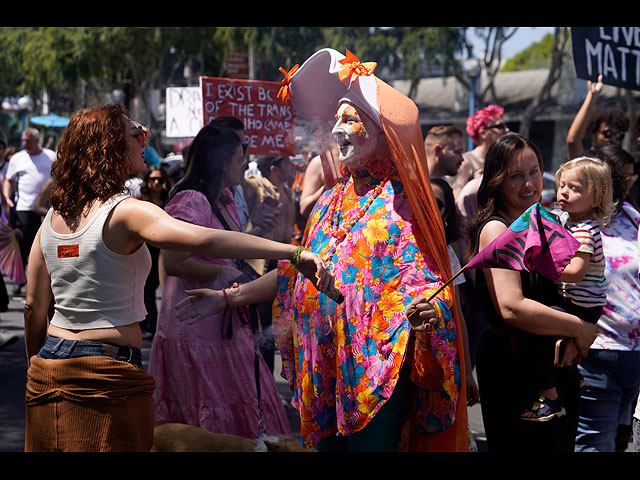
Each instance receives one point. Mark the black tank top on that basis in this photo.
(534, 286)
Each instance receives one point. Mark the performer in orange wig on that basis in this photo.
(380, 230)
(383, 369)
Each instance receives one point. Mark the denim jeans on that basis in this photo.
(58, 348)
(636, 434)
(611, 383)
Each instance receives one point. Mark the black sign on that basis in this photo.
(613, 52)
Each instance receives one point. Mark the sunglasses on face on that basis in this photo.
(497, 126)
(610, 133)
(631, 179)
(139, 133)
(155, 179)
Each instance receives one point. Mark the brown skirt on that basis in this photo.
(88, 404)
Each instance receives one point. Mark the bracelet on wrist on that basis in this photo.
(295, 257)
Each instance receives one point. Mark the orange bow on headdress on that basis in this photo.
(352, 67)
(285, 92)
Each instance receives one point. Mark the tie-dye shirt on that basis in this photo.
(619, 325)
(343, 361)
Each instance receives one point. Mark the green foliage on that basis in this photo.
(285, 47)
(536, 56)
(369, 44)
(103, 58)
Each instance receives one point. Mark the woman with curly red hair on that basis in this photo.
(86, 389)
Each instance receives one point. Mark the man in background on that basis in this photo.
(444, 146)
(28, 170)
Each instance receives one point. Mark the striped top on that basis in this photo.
(592, 290)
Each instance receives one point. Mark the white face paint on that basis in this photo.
(357, 137)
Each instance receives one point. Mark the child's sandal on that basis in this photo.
(544, 410)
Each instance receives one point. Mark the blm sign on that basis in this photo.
(269, 124)
(613, 52)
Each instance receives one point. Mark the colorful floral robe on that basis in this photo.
(343, 361)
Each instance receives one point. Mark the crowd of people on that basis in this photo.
(346, 275)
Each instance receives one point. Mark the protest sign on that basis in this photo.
(613, 52)
(269, 124)
(183, 111)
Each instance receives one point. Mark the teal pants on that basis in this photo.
(382, 433)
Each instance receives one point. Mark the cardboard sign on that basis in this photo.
(268, 122)
(183, 111)
(613, 52)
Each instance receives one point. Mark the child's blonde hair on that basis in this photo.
(598, 179)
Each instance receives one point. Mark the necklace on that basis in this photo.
(374, 168)
(340, 232)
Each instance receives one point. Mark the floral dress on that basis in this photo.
(203, 379)
(343, 361)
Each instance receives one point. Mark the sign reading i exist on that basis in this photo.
(613, 52)
(269, 123)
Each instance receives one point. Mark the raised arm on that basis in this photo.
(580, 122)
(183, 264)
(136, 221)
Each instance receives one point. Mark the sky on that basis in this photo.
(523, 38)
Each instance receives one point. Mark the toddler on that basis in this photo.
(584, 194)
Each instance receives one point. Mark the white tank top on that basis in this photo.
(94, 287)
